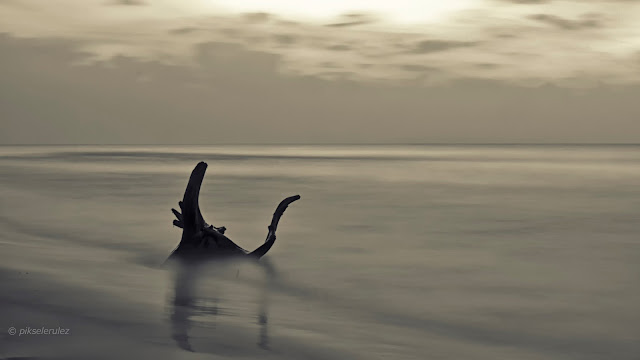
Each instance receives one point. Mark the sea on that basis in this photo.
(393, 252)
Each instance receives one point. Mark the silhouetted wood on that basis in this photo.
(201, 241)
(271, 235)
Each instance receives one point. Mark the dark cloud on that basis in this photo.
(430, 46)
(587, 22)
(339, 47)
(354, 19)
(285, 39)
(350, 23)
(230, 31)
(417, 68)
(257, 17)
(288, 23)
(184, 30)
(221, 60)
(487, 66)
(330, 65)
(336, 75)
(127, 2)
(506, 36)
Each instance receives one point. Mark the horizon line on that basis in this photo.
(354, 144)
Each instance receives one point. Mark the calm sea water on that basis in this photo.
(393, 252)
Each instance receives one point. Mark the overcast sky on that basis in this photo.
(332, 71)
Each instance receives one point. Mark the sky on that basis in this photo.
(349, 71)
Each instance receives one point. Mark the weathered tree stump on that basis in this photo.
(201, 241)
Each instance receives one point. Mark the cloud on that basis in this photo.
(257, 17)
(416, 68)
(487, 66)
(285, 39)
(246, 77)
(183, 30)
(430, 46)
(355, 19)
(237, 95)
(588, 22)
(339, 47)
(127, 2)
(366, 47)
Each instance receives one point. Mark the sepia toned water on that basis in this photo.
(393, 252)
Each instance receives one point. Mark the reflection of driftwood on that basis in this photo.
(187, 304)
(202, 241)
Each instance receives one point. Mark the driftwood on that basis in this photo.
(201, 241)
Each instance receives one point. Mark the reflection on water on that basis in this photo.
(197, 295)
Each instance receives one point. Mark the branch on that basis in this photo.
(191, 217)
(271, 235)
(178, 215)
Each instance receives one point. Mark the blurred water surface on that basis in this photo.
(403, 252)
